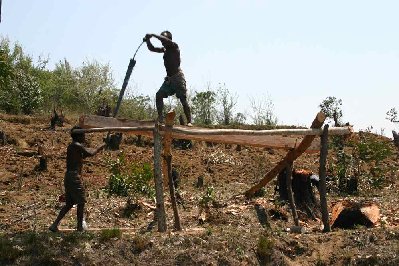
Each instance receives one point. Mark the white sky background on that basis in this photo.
(297, 52)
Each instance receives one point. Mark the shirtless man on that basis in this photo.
(175, 82)
(74, 190)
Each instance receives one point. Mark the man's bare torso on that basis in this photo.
(172, 60)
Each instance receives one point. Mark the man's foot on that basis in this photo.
(83, 227)
(53, 228)
(189, 124)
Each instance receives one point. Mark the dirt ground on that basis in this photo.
(231, 234)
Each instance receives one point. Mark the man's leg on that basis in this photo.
(159, 103)
(186, 108)
(79, 214)
(63, 211)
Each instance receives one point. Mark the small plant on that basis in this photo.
(140, 244)
(265, 249)
(107, 234)
(8, 253)
(207, 198)
(240, 251)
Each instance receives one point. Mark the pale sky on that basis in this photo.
(297, 52)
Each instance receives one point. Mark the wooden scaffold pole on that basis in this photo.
(322, 176)
(167, 155)
(160, 206)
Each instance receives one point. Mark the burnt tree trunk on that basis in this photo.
(3, 138)
(395, 138)
(304, 197)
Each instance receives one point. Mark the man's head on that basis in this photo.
(78, 137)
(166, 34)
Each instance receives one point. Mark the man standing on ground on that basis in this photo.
(175, 82)
(74, 189)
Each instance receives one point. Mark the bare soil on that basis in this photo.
(230, 235)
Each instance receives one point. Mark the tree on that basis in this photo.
(79, 89)
(263, 111)
(19, 87)
(138, 107)
(93, 82)
(331, 107)
(392, 115)
(239, 119)
(227, 103)
(204, 107)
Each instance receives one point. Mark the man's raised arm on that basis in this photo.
(150, 46)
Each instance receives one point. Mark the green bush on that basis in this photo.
(130, 180)
(107, 234)
(8, 253)
(372, 151)
(265, 249)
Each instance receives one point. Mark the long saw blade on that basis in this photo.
(129, 70)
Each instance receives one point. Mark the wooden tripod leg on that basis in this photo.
(290, 194)
(168, 160)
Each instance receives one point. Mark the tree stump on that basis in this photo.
(42, 163)
(57, 120)
(183, 144)
(113, 141)
(304, 197)
(3, 138)
(395, 138)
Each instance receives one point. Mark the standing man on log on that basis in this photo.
(74, 189)
(175, 82)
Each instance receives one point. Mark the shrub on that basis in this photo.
(107, 234)
(265, 249)
(207, 198)
(130, 180)
(8, 253)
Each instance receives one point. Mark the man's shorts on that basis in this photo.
(174, 85)
(74, 190)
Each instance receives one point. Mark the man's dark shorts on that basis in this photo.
(174, 85)
(74, 190)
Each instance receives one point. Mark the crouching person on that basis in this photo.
(74, 190)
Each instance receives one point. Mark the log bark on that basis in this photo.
(276, 139)
(322, 176)
(290, 157)
(160, 211)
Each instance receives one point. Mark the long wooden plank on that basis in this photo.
(289, 158)
(277, 139)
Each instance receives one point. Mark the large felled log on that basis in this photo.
(290, 157)
(347, 214)
(277, 139)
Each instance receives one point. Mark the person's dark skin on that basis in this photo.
(76, 152)
(170, 50)
(172, 62)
